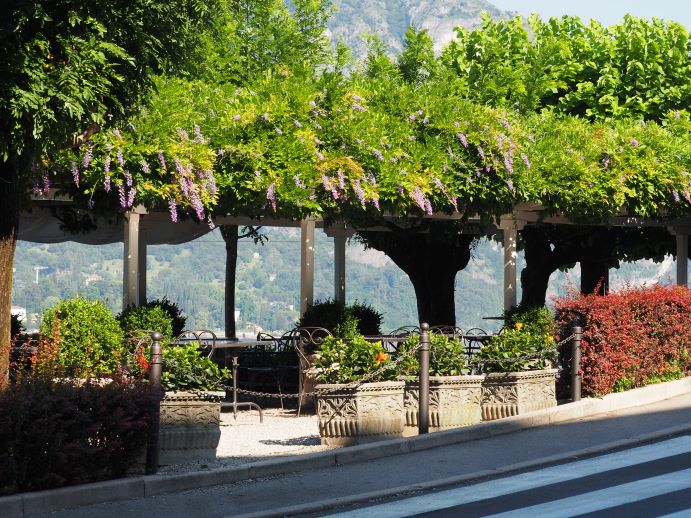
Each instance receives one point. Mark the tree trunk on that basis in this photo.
(538, 268)
(10, 194)
(594, 276)
(431, 261)
(230, 236)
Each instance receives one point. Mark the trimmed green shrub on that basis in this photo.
(332, 315)
(135, 319)
(340, 360)
(173, 310)
(89, 338)
(55, 434)
(447, 356)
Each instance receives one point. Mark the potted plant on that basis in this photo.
(192, 384)
(454, 394)
(359, 399)
(518, 363)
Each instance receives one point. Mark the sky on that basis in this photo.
(606, 11)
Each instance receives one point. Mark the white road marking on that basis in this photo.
(521, 482)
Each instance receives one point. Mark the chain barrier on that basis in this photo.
(368, 377)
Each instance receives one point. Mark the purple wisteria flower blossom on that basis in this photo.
(677, 115)
(358, 108)
(505, 123)
(358, 141)
(75, 173)
(341, 180)
(198, 137)
(117, 133)
(438, 183)
(106, 183)
(481, 152)
(122, 195)
(401, 190)
(508, 163)
(257, 174)
(509, 184)
(428, 207)
(128, 178)
(463, 139)
(265, 117)
(605, 162)
(634, 142)
(46, 183)
(90, 203)
(357, 98)
(198, 206)
(317, 125)
(675, 194)
(375, 202)
(120, 157)
(478, 173)
(313, 104)
(412, 117)
(130, 197)
(450, 153)
(526, 162)
(312, 196)
(271, 195)
(419, 198)
(298, 183)
(320, 156)
(297, 123)
(334, 193)
(279, 131)
(326, 182)
(87, 158)
(236, 117)
(425, 121)
(210, 222)
(378, 154)
(173, 208)
(145, 166)
(359, 192)
(162, 159)
(183, 134)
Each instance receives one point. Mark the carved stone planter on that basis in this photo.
(190, 427)
(512, 393)
(454, 401)
(370, 412)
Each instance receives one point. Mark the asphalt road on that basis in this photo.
(651, 480)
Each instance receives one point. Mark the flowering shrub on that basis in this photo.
(54, 434)
(447, 356)
(344, 360)
(331, 314)
(186, 367)
(631, 337)
(526, 344)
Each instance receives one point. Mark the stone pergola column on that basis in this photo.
(306, 264)
(510, 227)
(682, 237)
(340, 265)
(134, 260)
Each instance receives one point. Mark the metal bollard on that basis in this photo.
(423, 380)
(577, 333)
(155, 370)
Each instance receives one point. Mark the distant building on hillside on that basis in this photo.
(94, 277)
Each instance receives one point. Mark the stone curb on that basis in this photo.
(136, 487)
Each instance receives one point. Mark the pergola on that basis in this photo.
(140, 228)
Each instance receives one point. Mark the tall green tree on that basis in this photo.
(68, 69)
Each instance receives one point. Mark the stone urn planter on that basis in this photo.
(367, 413)
(505, 394)
(454, 401)
(190, 426)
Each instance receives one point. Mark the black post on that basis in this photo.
(577, 333)
(423, 381)
(155, 369)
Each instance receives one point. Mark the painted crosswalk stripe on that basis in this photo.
(605, 498)
(524, 481)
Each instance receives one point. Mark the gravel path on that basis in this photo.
(245, 440)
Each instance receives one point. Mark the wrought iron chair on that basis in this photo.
(474, 338)
(306, 340)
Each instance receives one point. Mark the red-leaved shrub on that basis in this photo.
(631, 337)
(55, 433)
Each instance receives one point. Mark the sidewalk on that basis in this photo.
(315, 481)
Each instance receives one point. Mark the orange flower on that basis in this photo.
(519, 326)
(382, 357)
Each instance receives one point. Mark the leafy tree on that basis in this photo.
(67, 69)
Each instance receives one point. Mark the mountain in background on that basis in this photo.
(354, 19)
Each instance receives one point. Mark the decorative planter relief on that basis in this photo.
(190, 427)
(512, 393)
(370, 412)
(454, 401)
